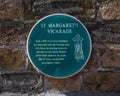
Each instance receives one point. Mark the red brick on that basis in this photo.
(82, 9)
(110, 9)
(93, 61)
(68, 84)
(110, 57)
(11, 58)
(104, 82)
(106, 33)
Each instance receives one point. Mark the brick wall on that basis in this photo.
(101, 74)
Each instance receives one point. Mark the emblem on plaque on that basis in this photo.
(78, 52)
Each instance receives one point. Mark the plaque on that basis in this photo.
(59, 45)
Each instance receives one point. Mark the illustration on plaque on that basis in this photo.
(78, 51)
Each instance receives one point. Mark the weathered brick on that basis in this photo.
(93, 61)
(110, 56)
(1, 28)
(18, 81)
(11, 58)
(103, 82)
(110, 9)
(14, 33)
(11, 9)
(106, 33)
(82, 9)
(27, 27)
(68, 84)
(30, 66)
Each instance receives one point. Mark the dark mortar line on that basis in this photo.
(17, 22)
(105, 1)
(104, 45)
(15, 46)
(11, 21)
(16, 71)
(108, 22)
(89, 21)
(97, 93)
(96, 10)
(107, 42)
(100, 70)
(69, 93)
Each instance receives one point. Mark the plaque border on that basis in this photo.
(38, 70)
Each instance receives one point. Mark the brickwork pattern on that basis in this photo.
(101, 74)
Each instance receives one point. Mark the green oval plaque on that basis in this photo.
(59, 45)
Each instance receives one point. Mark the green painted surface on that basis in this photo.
(59, 45)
